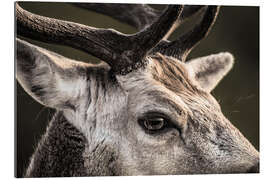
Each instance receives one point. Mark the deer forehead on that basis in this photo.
(162, 71)
(164, 82)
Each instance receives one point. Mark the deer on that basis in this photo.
(144, 110)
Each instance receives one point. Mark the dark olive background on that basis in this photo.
(236, 31)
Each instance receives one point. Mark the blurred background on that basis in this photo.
(236, 31)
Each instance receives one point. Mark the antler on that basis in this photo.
(140, 16)
(122, 52)
(181, 47)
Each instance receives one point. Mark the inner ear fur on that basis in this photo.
(51, 79)
(210, 70)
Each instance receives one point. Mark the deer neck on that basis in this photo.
(64, 151)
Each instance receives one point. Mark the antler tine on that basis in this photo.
(188, 11)
(120, 51)
(143, 41)
(181, 47)
(138, 15)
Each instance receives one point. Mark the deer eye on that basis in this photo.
(152, 124)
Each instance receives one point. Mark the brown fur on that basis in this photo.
(173, 75)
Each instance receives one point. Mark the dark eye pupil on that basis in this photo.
(154, 124)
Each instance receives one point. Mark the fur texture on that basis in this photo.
(98, 131)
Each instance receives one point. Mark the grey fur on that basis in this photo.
(102, 110)
(104, 120)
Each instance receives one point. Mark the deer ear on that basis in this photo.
(49, 78)
(209, 70)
